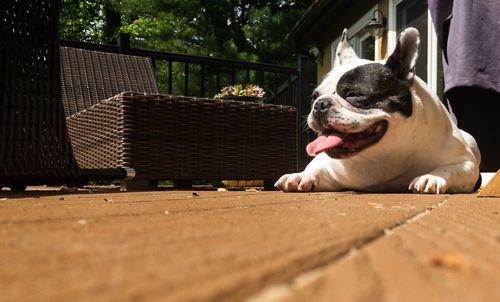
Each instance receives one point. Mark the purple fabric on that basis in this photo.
(469, 32)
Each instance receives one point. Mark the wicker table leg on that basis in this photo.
(139, 184)
(269, 185)
(183, 184)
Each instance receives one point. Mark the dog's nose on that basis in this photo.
(322, 105)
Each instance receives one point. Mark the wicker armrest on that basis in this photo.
(173, 137)
(96, 135)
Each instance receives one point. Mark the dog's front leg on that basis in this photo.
(296, 182)
(316, 177)
(454, 178)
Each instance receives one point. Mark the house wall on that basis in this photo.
(324, 62)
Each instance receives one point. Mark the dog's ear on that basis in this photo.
(345, 53)
(402, 61)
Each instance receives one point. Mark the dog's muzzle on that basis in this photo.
(321, 107)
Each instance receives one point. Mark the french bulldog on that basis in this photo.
(381, 129)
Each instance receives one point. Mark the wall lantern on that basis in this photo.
(376, 23)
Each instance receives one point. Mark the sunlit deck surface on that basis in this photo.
(203, 245)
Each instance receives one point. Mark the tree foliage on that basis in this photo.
(252, 30)
(82, 20)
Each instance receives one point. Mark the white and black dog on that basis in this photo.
(381, 129)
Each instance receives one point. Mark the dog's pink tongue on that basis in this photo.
(322, 143)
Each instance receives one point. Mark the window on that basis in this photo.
(413, 13)
(365, 46)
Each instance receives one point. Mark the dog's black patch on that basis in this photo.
(374, 86)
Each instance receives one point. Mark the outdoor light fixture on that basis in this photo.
(376, 23)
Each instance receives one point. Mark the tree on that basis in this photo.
(82, 20)
(245, 29)
(251, 30)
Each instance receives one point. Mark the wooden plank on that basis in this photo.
(182, 246)
(492, 188)
(448, 254)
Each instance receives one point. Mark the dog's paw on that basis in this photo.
(430, 184)
(296, 182)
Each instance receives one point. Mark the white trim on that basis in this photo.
(391, 25)
(354, 39)
(432, 55)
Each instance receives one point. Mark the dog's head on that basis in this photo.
(360, 102)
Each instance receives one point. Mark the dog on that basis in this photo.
(381, 129)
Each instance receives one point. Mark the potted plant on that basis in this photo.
(238, 92)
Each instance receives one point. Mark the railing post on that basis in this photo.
(303, 107)
(124, 43)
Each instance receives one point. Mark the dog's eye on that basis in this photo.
(351, 94)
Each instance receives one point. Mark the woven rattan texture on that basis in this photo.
(90, 76)
(172, 137)
(97, 135)
(33, 139)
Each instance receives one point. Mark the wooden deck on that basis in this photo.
(248, 246)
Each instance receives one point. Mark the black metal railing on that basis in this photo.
(204, 76)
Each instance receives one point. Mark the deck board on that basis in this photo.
(199, 246)
(450, 253)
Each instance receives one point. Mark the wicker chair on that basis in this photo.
(34, 144)
(166, 137)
